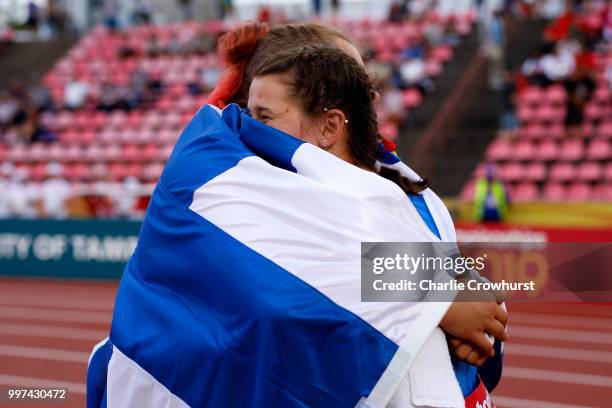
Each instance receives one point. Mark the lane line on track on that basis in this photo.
(37, 353)
(59, 315)
(73, 387)
(30, 330)
(561, 320)
(559, 334)
(561, 353)
(57, 302)
(557, 376)
(528, 403)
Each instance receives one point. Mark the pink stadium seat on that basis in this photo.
(442, 53)
(547, 151)
(412, 98)
(599, 149)
(38, 172)
(554, 131)
(165, 152)
(602, 95)
(535, 172)
(149, 152)
(73, 153)
(56, 152)
(562, 172)
(572, 150)
(467, 193)
(532, 131)
(512, 172)
(603, 192)
(98, 171)
(555, 95)
(110, 153)
(118, 171)
(499, 150)
(608, 172)
(38, 152)
(433, 68)
(69, 136)
(3, 152)
(604, 130)
(590, 171)
(130, 153)
(523, 151)
(530, 96)
(527, 114)
(593, 112)
(135, 170)
(525, 192)
(554, 192)
(93, 153)
(580, 192)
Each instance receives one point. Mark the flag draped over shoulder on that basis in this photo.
(244, 289)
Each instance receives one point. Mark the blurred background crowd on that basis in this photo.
(89, 136)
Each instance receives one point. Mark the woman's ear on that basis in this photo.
(334, 123)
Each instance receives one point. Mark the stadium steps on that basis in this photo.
(27, 62)
(448, 136)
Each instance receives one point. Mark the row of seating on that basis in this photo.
(589, 171)
(570, 150)
(553, 191)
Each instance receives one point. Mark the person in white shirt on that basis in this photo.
(55, 192)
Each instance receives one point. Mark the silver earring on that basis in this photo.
(345, 120)
(324, 143)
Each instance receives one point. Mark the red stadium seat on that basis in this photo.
(572, 150)
(580, 192)
(536, 172)
(599, 150)
(467, 193)
(412, 98)
(547, 151)
(512, 172)
(499, 150)
(525, 192)
(590, 171)
(523, 151)
(562, 172)
(604, 130)
(554, 192)
(555, 95)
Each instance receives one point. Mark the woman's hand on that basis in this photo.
(467, 352)
(470, 321)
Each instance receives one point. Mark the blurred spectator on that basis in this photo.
(154, 48)
(316, 7)
(579, 87)
(127, 197)
(335, 7)
(22, 197)
(55, 193)
(509, 120)
(8, 110)
(33, 16)
(75, 93)
(490, 198)
(142, 12)
(398, 11)
(393, 104)
(558, 64)
(5, 174)
(186, 7)
(111, 14)
(494, 48)
(57, 21)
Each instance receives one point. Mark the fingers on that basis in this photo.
(481, 341)
(501, 315)
(463, 351)
(500, 296)
(497, 330)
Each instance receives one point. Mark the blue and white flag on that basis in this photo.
(244, 289)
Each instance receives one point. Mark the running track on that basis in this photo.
(559, 356)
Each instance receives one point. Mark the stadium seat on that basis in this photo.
(590, 171)
(580, 192)
(572, 150)
(554, 192)
(499, 150)
(523, 151)
(412, 98)
(525, 192)
(555, 95)
(604, 130)
(536, 172)
(562, 172)
(512, 172)
(599, 150)
(547, 151)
